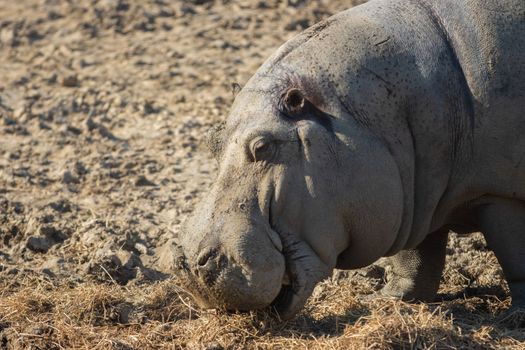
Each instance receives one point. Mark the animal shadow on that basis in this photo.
(328, 326)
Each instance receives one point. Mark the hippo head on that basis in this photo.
(297, 194)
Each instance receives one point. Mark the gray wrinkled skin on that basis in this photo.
(371, 134)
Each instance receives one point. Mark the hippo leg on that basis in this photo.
(416, 273)
(502, 222)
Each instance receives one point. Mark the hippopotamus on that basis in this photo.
(372, 134)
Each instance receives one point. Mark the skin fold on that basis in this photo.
(370, 134)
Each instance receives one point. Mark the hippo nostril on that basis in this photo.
(210, 263)
(205, 256)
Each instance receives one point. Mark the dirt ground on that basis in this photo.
(103, 109)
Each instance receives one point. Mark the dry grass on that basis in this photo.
(38, 312)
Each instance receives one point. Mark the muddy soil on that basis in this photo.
(104, 105)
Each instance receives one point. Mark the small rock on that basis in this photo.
(73, 129)
(123, 313)
(120, 267)
(263, 5)
(166, 12)
(167, 27)
(39, 244)
(104, 132)
(62, 206)
(141, 248)
(46, 219)
(13, 155)
(34, 35)
(9, 121)
(186, 9)
(299, 24)
(43, 126)
(150, 108)
(200, 2)
(143, 181)
(52, 233)
(70, 80)
(128, 259)
(296, 3)
(48, 272)
(169, 257)
(91, 124)
(122, 6)
(21, 172)
(80, 168)
(85, 62)
(22, 80)
(53, 15)
(69, 178)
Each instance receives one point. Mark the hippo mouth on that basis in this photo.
(290, 287)
(288, 301)
(303, 269)
(300, 276)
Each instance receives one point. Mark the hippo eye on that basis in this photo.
(261, 149)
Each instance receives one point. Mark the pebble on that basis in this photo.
(141, 248)
(39, 244)
(143, 181)
(70, 80)
(69, 178)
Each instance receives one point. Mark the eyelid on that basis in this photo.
(264, 142)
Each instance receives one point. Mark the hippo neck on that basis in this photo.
(452, 92)
(408, 87)
(440, 119)
(489, 104)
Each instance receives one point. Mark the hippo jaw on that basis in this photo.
(230, 289)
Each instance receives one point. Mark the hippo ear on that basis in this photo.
(214, 139)
(236, 87)
(293, 101)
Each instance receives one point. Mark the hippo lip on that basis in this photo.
(291, 297)
(288, 295)
(303, 269)
(297, 284)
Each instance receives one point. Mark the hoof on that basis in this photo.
(398, 288)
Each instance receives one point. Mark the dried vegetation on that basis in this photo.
(103, 104)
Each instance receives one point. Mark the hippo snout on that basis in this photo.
(234, 273)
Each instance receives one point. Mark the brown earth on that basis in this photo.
(103, 108)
